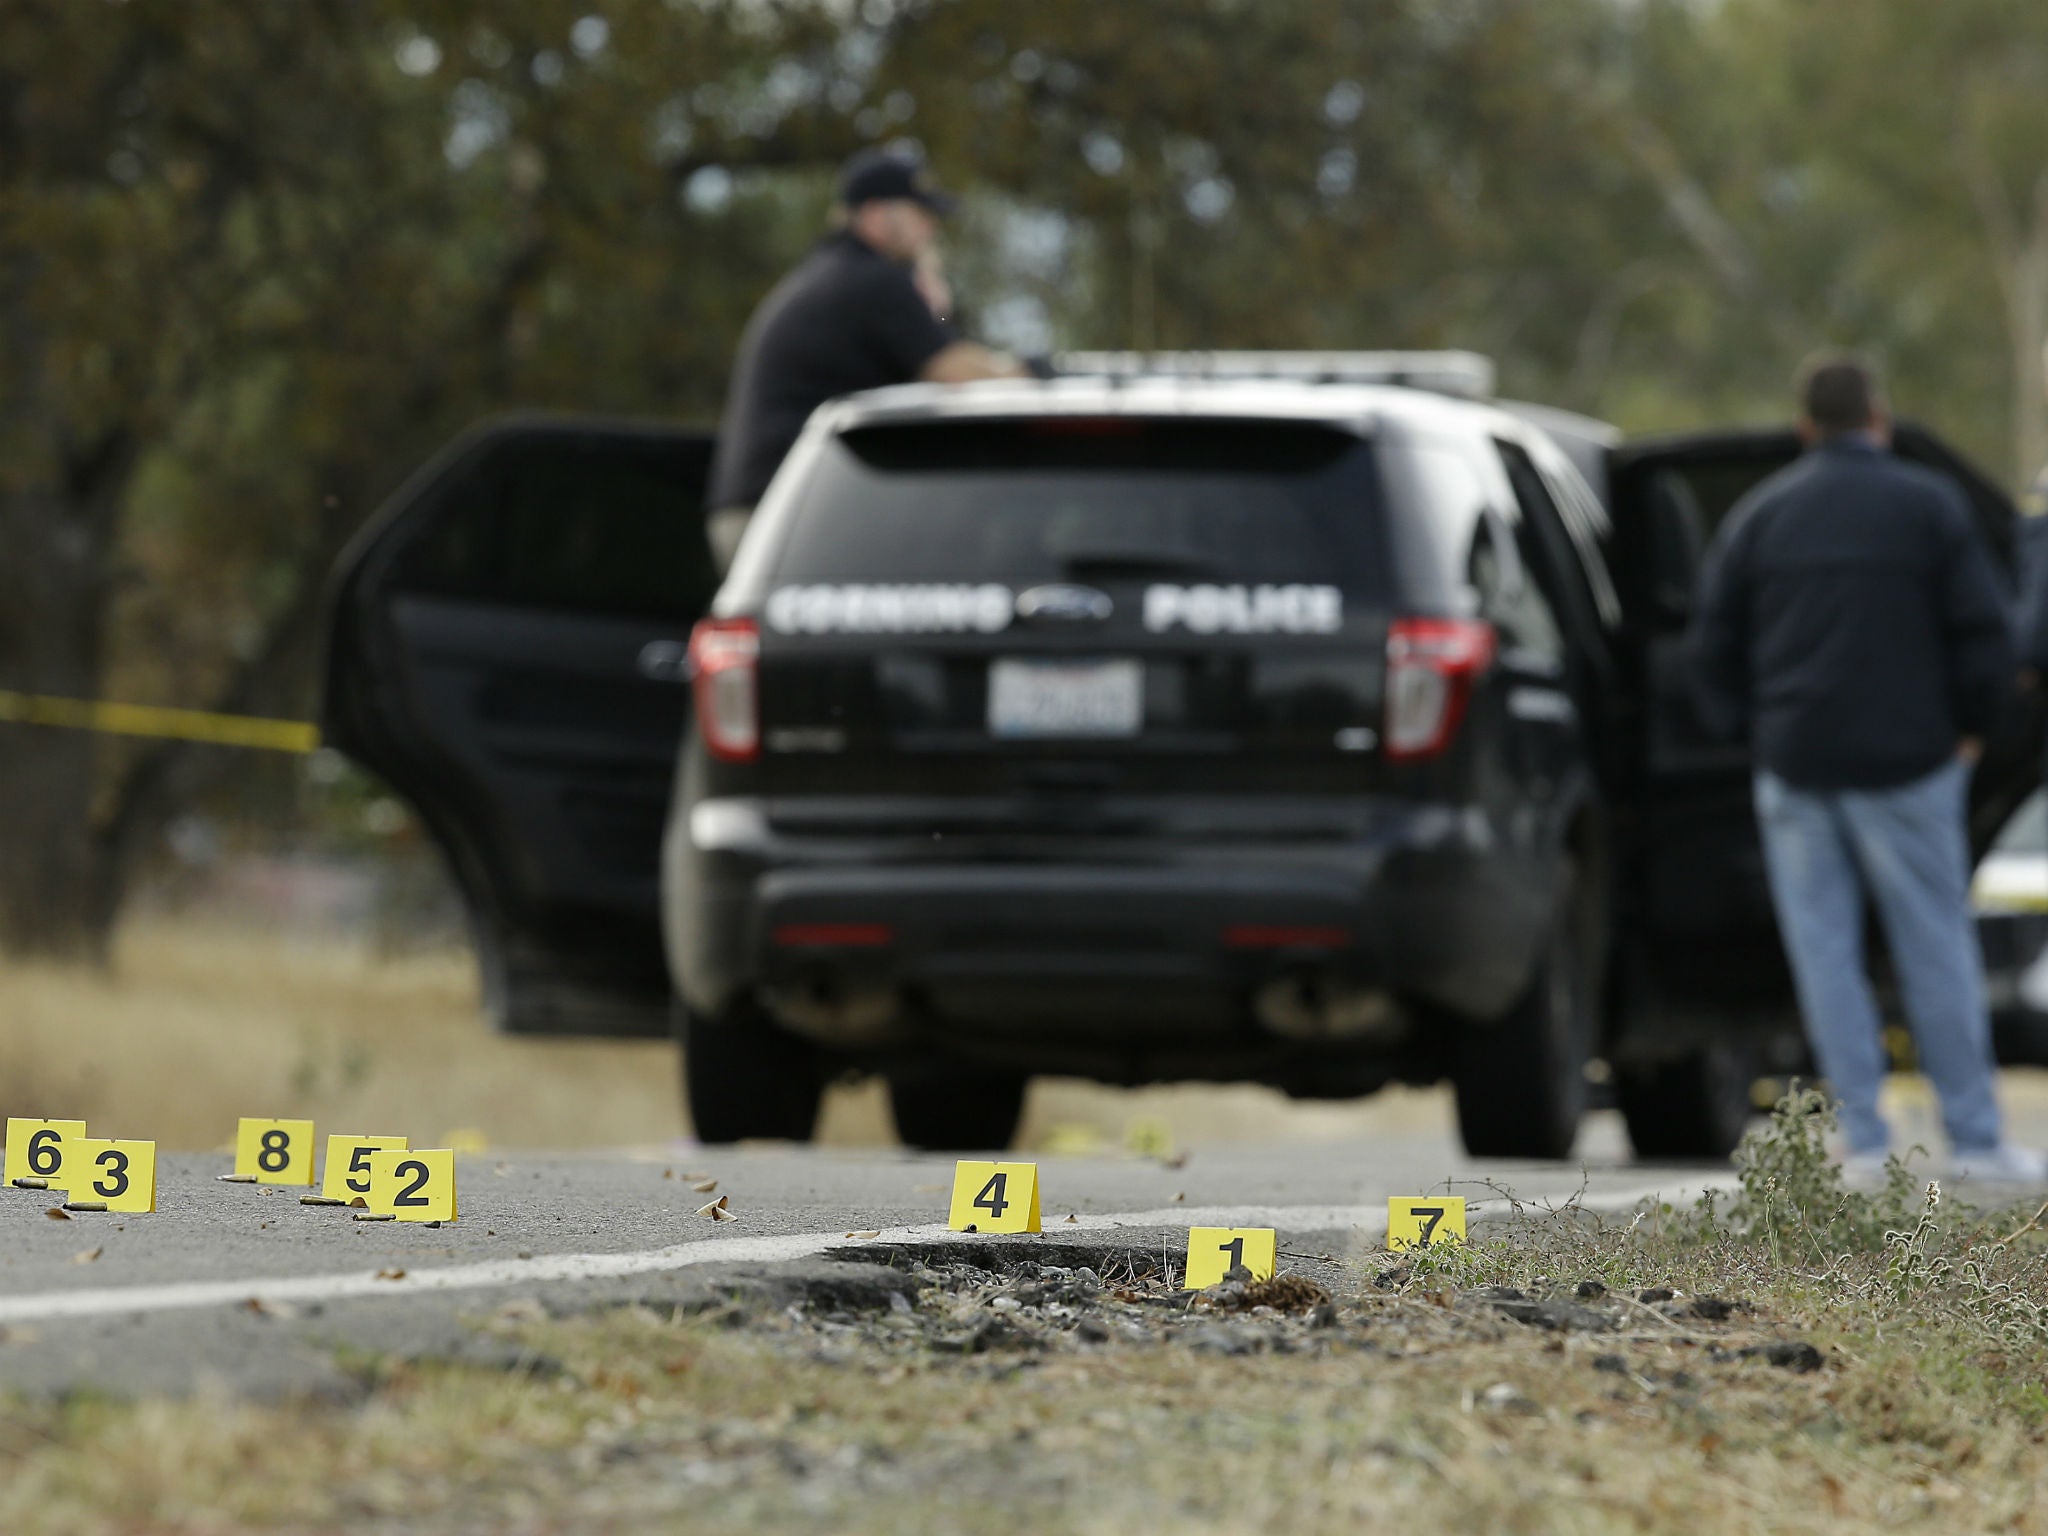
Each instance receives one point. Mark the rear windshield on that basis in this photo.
(1091, 500)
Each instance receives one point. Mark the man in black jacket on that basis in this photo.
(863, 310)
(1851, 630)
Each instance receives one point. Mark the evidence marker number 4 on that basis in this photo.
(994, 1197)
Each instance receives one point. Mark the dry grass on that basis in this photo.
(197, 1025)
(1417, 1404)
(200, 1023)
(1432, 1423)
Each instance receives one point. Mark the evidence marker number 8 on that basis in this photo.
(274, 1151)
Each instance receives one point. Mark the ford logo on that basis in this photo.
(1064, 605)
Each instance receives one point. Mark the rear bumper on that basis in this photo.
(1061, 950)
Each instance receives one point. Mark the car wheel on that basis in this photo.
(1521, 1083)
(943, 1106)
(744, 1077)
(1696, 1106)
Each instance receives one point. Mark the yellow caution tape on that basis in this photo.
(166, 724)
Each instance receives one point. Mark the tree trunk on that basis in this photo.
(60, 501)
(47, 879)
(156, 784)
(52, 599)
(2027, 291)
(2018, 242)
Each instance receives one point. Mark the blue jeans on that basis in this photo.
(1907, 850)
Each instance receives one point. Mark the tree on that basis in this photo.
(147, 201)
(256, 262)
(1932, 121)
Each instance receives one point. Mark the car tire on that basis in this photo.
(1521, 1082)
(943, 1106)
(746, 1078)
(1694, 1107)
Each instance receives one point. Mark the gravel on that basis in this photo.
(1010, 1303)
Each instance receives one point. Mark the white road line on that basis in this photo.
(110, 1301)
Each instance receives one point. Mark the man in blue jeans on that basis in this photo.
(1851, 630)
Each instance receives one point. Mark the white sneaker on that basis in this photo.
(2002, 1164)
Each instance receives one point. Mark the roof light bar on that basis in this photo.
(1468, 375)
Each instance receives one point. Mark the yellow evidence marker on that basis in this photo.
(1213, 1252)
(348, 1165)
(274, 1151)
(37, 1149)
(106, 1175)
(413, 1186)
(1416, 1221)
(994, 1197)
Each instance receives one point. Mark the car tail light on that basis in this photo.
(1431, 667)
(723, 654)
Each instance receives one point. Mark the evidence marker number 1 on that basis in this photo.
(1213, 1252)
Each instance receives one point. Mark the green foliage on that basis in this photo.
(257, 261)
(1793, 1196)
(1906, 1254)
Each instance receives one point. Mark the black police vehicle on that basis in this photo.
(1229, 719)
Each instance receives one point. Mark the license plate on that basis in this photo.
(1065, 698)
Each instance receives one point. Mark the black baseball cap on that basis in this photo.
(877, 174)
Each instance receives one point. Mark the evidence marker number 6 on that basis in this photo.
(36, 1151)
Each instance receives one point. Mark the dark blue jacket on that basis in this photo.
(1850, 626)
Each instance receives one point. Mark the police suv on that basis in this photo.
(1308, 720)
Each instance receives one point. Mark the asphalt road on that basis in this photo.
(243, 1287)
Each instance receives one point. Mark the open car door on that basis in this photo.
(1700, 934)
(506, 649)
